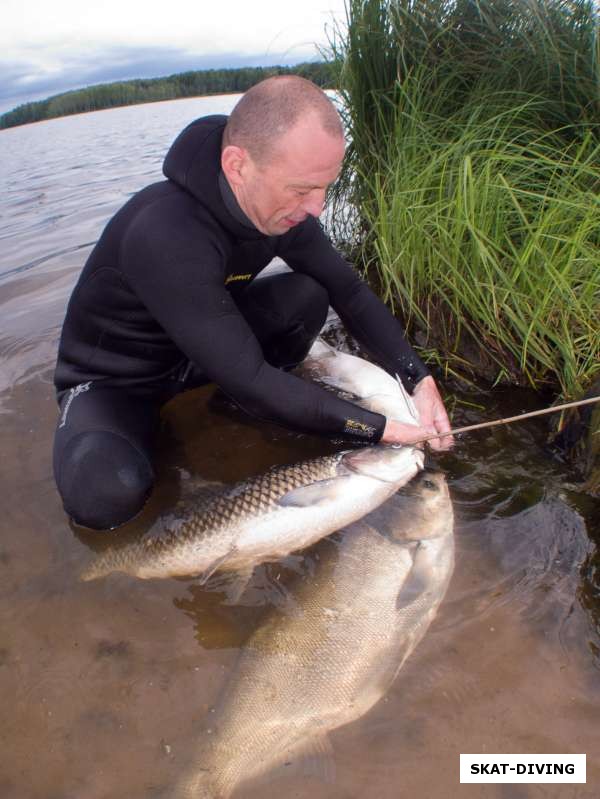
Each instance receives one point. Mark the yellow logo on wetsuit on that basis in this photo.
(231, 278)
(359, 428)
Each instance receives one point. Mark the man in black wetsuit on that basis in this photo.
(167, 300)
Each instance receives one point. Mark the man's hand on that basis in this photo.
(400, 433)
(432, 415)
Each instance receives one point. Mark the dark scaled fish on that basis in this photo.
(266, 517)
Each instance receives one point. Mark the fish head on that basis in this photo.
(389, 464)
(421, 509)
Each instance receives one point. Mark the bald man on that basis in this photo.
(168, 300)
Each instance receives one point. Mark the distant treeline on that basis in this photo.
(184, 84)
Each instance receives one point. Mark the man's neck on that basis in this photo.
(232, 204)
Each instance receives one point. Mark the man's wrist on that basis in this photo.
(423, 381)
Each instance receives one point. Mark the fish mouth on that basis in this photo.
(364, 462)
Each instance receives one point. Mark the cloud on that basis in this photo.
(187, 25)
(47, 48)
(25, 81)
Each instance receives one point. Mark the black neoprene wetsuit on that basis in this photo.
(160, 286)
(165, 287)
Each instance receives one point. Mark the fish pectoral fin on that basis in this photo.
(310, 756)
(319, 493)
(408, 400)
(215, 565)
(417, 582)
(237, 582)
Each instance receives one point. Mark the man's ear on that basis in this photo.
(233, 163)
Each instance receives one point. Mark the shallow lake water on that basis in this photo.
(105, 686)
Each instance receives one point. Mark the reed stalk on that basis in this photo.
(474, 173)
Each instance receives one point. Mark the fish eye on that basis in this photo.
(430, 484)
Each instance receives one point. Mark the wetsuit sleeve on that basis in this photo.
(177, 272)
(308, 250)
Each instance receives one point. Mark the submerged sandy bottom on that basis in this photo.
(105, 685)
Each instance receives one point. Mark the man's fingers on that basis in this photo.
(443, 442)
(400, 433)
(421, 433)
(438, 444)
(432, 412)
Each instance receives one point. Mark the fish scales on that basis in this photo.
(255, 496)
(286, 509)
(200, 520)
(250, 522)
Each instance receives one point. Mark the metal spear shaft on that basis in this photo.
(510, 419)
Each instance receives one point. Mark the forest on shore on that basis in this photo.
(184, 84)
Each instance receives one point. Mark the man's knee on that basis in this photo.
(104, 481)
(306, 313)
(286, 313)
(308, 303)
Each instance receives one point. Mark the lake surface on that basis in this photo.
(104, 686)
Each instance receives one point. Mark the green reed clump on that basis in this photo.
(474, 170)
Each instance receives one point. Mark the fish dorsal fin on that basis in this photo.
(319, 493)
(312, 755)
(194, 488)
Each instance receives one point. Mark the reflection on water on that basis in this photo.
(106, 686)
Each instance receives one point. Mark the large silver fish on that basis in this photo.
(368, 384)
(335, 650)
(266, 517)
(286, 509)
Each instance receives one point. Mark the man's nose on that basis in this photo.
(314, 202)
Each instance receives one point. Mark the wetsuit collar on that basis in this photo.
(232, 204)
(194, 163)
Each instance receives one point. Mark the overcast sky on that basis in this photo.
(49, 46)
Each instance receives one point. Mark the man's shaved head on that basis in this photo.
(282, 147)
(271, 108)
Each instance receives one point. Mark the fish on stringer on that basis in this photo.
(266, 517)
(302, 674)
(289, 507)
(364, 382)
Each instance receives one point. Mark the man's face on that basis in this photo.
(291, 184)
